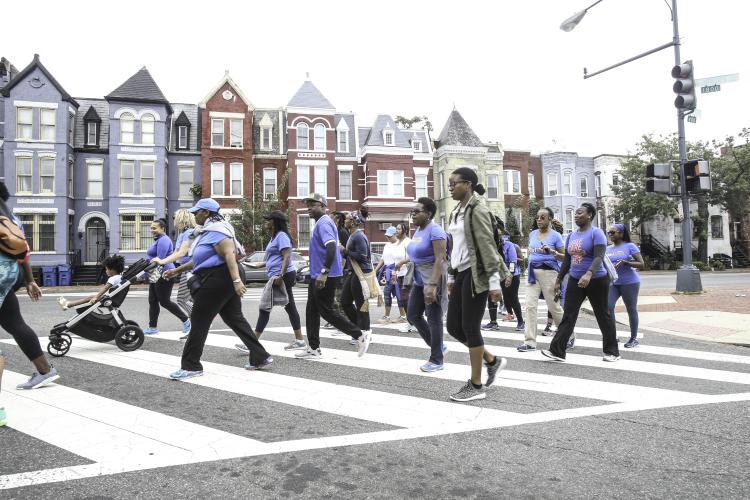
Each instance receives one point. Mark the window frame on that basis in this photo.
(493, 176)
(144, 165)
(71, 178)
(47, 127)
(141, 226)
(570, 219)
(598, 185)
(128, 118)
(123, 164)
(320, 173)
(33, 225)
(181, 169)
(89, 180)
(30, 175)
(306, 169)
(418, 188)
(552, 191)
(218, 167)
(531, 185)
(89, 142)
(583, 187)
(232, 179)
(349, 185)
(266, 178)
(20, 126)
(345, 142)
(46, 160)
(416, 146)
(389, 137)
(567, 184)
(215, 134)
(319, 139)
(301, 243)
(238, 144)
(303, 126)
(180, 143)
(720, 227)
(266, 138)
(71, 128)
(511, 177)
(390, 183)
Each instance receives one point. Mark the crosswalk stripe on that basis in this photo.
(510, 325)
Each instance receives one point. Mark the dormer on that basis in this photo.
(342, 137)
(389, 135)
(416, 143)
(182, 125)
(92, 124)
(266, 132)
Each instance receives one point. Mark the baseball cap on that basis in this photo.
(206, 204)
(276, 214)
(390, 231)
(316, 197)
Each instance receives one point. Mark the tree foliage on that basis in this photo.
(730, 175)
(404, 122)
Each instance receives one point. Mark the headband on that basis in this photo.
(357, 217)
(620, 227)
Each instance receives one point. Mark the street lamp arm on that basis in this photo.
(573, 20)
(657, 49)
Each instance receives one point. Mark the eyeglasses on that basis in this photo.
(453, 184)
(611, 232)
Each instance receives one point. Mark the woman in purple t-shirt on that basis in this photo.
(626, 257)
(584, 251)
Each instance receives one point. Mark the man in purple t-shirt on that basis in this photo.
(325, 273)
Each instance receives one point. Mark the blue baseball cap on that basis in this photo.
(206, 204)
(391, 231)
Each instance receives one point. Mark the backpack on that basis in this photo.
(12, 240)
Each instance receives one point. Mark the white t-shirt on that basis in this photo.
(114, 281)
(393, 253)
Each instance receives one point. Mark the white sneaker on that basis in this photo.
(309, 353)
(364, 342)
(407, 328)
(295, 345)
(611, 358)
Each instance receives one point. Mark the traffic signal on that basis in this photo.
(684, 86)
(659, 178)
(697, 176)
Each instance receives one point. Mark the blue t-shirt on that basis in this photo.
(274, 258)
(184, 236)
(626, 275)
(420, 249)
(204, 254)
(511, 256)
(358, 249)
(324, 232)
(537, 258)
(581, 250)
(161, 247)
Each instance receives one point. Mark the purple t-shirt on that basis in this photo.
(420, 249)
(323, 232)
(511, 256)
(626, 275)
(581, 249)
(161, 247)
(274, 257)
(204, 253)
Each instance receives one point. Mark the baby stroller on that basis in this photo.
(103, 321)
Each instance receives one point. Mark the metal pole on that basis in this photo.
(688, 276)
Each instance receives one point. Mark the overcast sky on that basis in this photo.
(506, 65)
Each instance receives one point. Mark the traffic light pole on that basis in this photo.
(688, 276)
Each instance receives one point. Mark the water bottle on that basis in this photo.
(3, 419)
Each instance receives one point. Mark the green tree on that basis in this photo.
(404, 122)
(511, 225)
(730, 177)
(248, 220)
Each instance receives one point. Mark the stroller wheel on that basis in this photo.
(129, 337)
(59, 344)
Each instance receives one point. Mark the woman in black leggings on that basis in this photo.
(357, 250)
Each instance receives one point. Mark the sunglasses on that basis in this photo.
(612, 232)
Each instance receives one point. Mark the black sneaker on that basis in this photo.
(547, 332)
(327, 326)
(632, 343)
(553, 357)
(492, 370)
(571, 344)
(469, 393)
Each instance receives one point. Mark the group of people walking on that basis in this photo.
(438, 278)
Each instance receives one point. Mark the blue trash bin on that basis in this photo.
(49, 276)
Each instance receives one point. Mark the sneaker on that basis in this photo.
(327, 326)
(364, 342)
(444, 348)
(547, 332)
(611, 358)
(491, 326)
(293, 345)
(63, 303)
(407, 328)
(571, 344)
(150, 331)
(553, 357)
(353, 342)
(186, 327)
(384, 320)
(469, 393)
(548, 328)
(520, 327)
(265, 364)
(401, 319)
(525, 348)
(3, 417)
(242, 348)
(38, 380)
(309, 353)
(509, 317)
(431, 367)
(184, 374)
(632, 343)
(493, 370)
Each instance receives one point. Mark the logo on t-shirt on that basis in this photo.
(575, 249)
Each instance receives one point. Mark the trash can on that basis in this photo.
(64, 277)
(49, 276)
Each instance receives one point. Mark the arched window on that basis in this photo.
(302, 136)
(127, 128)
(320, 137)
(567, 183)
(584, 187)
(552, 183)
(147, 129)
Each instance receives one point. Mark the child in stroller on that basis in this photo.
(113, 266)
(102, 320)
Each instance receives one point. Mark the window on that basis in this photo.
(135, 232)
(127, 177)
(343, 141)
(420, 185)
(23, 175)
(40, 231)
(717, 227)
(71, 184)
(320, 137)
(71, 127)
(615, 180)
(91, 135)
(95, 180)
(265, 137)
(569, 223)
(584, 187)
(567, 183)
(147, 177)
(378, 247)
(47, 124)
(186, 182)
(388, 138)
(532, 185)
(217, 179)
(552, 183)
(46, 174)
(512, 181)
(235, 178)
(321, 179)
(390, 183)
(303, 180)
(417, 146)
(127, 128)
(24, 123)
(304, 229)
(345, 184)
(442, 184)
(493, 193)
(598, 185)
(235, 133)
(217, 133)
(182, 137)
(269, 183)
(303, 142)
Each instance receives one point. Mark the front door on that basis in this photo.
(96, 233)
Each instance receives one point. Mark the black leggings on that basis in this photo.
(352, 300)
(510, 295)
(290, 308)
(465, 312)
(12, 322)
(160, 294)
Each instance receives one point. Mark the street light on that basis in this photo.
(688, 276)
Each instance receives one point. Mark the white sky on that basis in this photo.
(509, 69)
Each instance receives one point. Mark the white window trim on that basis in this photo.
(316, 170)
(416, 145)
(180, 168)
(232, 179)
(121, 178)
(416, 188)
(299, 168)
(568, 174)
(242, 133)
(54, 168)
(496, 175)
(350, 171)
(391, 174)
(512, 173)
(319, 126)
(223, 139)
(266, 133)
(223, 179)
(132, 132)
(275, 182)
(531, 184)
(31, 174)
(390, 131)
(71, 127)
(89, 164)
(180, 144)
(153, 179)
(88, 133)
(311, 224)
(296, 135)
(42, 125)
(30, 125)
(549, 184)
(583, 180)
(346, 141)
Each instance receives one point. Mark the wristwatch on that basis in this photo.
(323, 270)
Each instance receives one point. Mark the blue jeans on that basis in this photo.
(430, 330)
(629, 294)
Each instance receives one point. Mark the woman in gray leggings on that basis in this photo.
(626, 257)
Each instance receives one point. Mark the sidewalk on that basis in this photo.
(720, 314)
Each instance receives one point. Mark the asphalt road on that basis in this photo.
(668, 279)
(670, 420)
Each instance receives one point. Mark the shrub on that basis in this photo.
(701, 265)
(718, 265)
